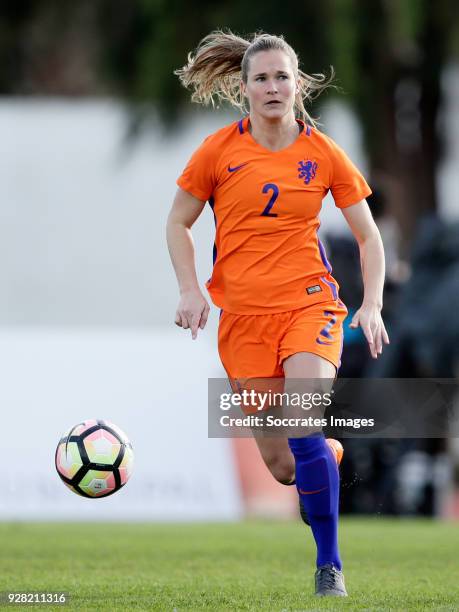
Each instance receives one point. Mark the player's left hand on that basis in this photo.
(368, 317)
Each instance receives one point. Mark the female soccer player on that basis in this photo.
(265, 177)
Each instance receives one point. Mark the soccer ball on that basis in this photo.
(94, 458)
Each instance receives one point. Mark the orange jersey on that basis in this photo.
(267, 254)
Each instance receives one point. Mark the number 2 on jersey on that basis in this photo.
(275, 189)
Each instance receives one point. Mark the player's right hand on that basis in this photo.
(192, 312)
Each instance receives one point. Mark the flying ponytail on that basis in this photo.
(221, 61)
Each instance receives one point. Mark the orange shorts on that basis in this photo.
(253, 346)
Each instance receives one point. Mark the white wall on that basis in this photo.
(82, 218)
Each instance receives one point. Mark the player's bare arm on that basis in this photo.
(193, 308)
(368, 316)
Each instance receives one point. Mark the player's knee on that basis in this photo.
(283, 471)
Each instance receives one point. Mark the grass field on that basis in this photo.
(389, 565)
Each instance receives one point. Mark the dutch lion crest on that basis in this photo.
(307, 170)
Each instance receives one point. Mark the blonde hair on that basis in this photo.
(222, 60)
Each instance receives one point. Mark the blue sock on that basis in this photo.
(317, 481)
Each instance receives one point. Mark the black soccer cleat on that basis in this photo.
(329, 582)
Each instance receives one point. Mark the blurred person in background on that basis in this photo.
(281, 317)
(425, 345)
(370, 471)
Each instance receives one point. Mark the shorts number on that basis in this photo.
(275, 189)
(325, 336)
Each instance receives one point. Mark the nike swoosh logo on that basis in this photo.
(311, 492)
(236, 167)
